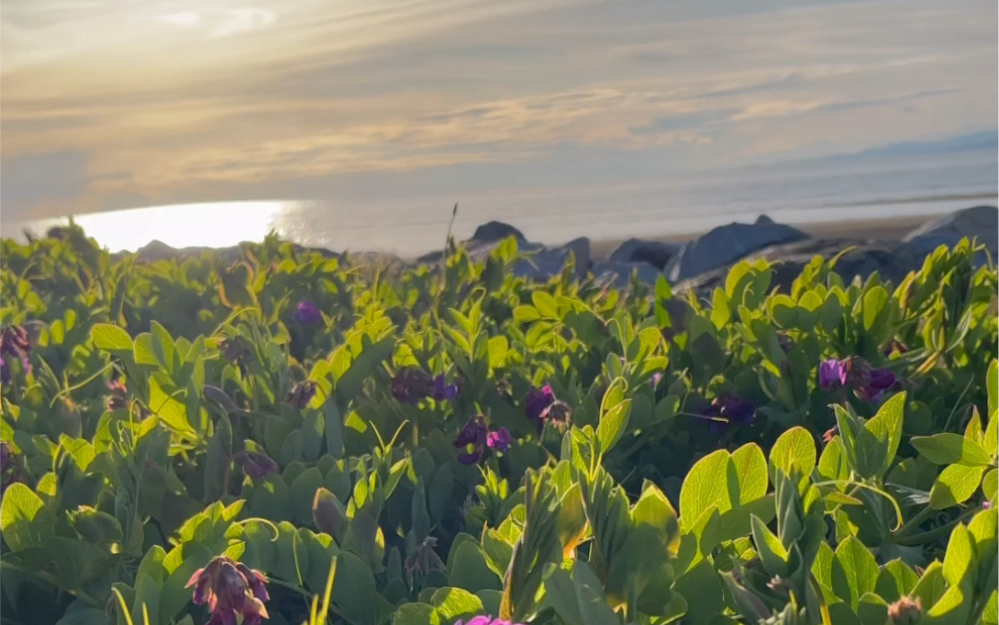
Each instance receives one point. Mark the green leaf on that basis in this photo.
(170, 411)
(950, 448)
(854, 571)
(771, 551)
(452, 604)
(498, 347)
(110, 338)
(613, 424)
(526, 313)
(793, 452)
(887, 427)
(468, 569)
(751, 469)
(959, 559)
(545, 304)
(706, 485)
(955, 485)
(354, 591)
(896, 580)
(416, 614)
(24, 519)
(992, 381)
(833, 464)
(989, 485)
(874, 302)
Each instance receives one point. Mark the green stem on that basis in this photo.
(933, 534)
(914, 522)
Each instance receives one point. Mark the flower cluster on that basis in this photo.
(307, 314)
(116, 397)
(410, 385)
(726, 410)
(541, 406)
(230, 588)
(475, 437)
(868, 383)
(14, 345)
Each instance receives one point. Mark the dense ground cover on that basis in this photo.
(294, 438)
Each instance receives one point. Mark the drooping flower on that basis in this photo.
(875, 384)
(307, 314)
(905, 611)
(830, 434)
(237, 351)
(410, 385)
(726, 410)
(832, 375)
(424, 558)
(559, 414)
(537, 401)
(115, 399)
(301, 394)
(14, 345)
(498, 440)
(230, 588)
(444, 391)
(472, 439)
(258, 465)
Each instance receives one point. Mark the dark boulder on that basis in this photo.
(493, 231)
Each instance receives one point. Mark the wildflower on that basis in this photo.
(237, 351)
(726, 410)
(875, 384)
(258, 465)
(832, 375)
(230, 588)
(472, 439)
(424, 558)
(559, 414)
(14, 344)
(986, 505)
(656, 378)
(301, 394)
(537, 401)
(115, 399)
(411, 385)
(498, 440)
(307, 314)
(905, 611)
(442, 390)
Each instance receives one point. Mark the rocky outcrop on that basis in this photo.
(981, 222)
(619, 274)
(655, 253)
(494, 231)
(727, 244)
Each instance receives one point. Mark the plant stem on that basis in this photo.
(914, 522)
(936, 533)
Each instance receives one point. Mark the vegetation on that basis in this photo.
(291, 439)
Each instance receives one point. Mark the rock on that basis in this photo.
(581, 248)
(978, 221)
(890, 259)
(656, 253)
(726, 244)
(619, 274)
(547, 262)
(494, 231)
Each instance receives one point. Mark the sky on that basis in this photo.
(110, 104)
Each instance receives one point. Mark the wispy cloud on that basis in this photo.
(168, 98)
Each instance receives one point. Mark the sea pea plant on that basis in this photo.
(271, 435)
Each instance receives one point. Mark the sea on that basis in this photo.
(830, 190)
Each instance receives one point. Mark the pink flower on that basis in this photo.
(498, 440)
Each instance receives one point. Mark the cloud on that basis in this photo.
(34, 180)
(243, 21)
(184, 18)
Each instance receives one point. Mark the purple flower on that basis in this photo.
(832, 375)
(726, 410)
(5, 375)
(498, 440)
(301, 394)
(537, 400)
(874, 385)
(986, 505)
(656, 378)
(472, 439)
(784, 341)
(559, 414)
(443, 391)
(411, 385)
(257, 465)
(14, 341)
(230, 588)
(307, 314)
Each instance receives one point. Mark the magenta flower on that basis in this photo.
(654, 381)
(498, 440)
(442, 390)
(307, 314)
(410, 385)
(537, 401)
(727, 410)
(301, 394)
(230, 588)
(832, 375)
(257, 465)
(485, 620)
(472, 438)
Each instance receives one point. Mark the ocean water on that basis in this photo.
(675, 204)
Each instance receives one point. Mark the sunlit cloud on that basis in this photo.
(184, 18)
(243, 21)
